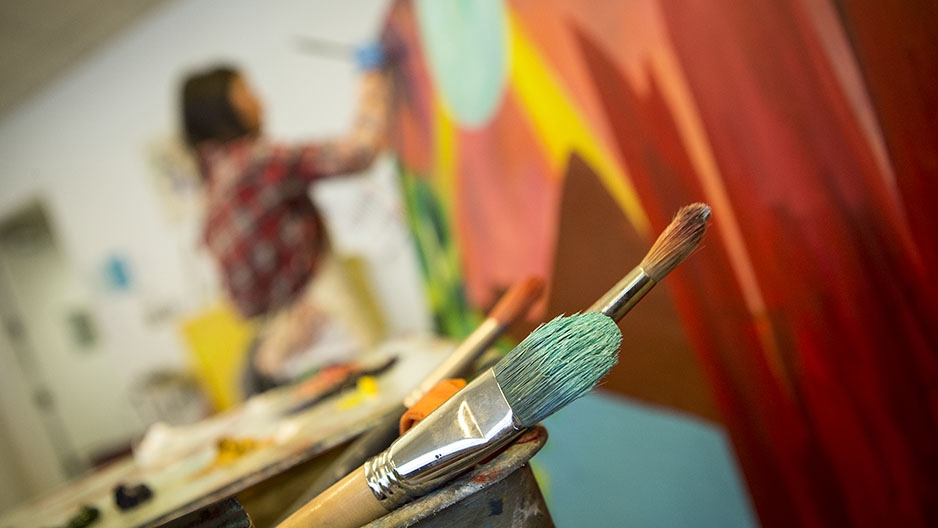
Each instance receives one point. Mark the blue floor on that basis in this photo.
(610, 461)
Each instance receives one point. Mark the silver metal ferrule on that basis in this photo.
(468, 427)
(624, 295)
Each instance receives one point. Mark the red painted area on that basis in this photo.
(548, 24)
(484, 478)
(412, 124)
(844, 434)
(507, 202)
(845, 304)
(896, 50)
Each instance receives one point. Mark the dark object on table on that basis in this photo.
(127, 497)
(86, 517)
(226, 513)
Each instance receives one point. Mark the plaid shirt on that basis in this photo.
(261, 226)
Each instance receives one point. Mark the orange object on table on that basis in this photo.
(435, 397)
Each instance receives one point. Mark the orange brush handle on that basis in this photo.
(512, 305)
(516, 301)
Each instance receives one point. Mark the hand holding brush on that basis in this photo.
(557, 363)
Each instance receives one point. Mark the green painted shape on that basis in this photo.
(438, 257)
(465, 44)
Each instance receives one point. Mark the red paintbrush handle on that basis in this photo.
(509, 308)
(516, 301)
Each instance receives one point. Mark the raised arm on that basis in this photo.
(358, 149)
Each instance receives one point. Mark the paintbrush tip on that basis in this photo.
(557, 363)
(677, 241)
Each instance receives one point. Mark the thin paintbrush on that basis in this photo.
(557, 363)
(509, 308)
(325, 48)
(675, 243)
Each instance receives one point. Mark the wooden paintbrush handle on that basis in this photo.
(348, 504)
(512, 305)
(367, 445)
(509, 308)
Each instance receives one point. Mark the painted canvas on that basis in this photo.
(557, 138)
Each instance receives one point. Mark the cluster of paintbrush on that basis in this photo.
(460, 363)
(557, 363)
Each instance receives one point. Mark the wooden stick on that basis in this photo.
(350, 503)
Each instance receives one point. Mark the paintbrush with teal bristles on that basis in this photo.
(556, 364)
(512, 306)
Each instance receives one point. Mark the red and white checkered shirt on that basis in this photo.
(261, 226)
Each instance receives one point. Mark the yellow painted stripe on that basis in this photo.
(444, 149)
(562, 129)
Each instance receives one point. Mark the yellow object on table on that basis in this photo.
(366, 388)
(218, 340)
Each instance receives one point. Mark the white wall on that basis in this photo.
(81, 146)
(11, 491)
(44, 292)
(28, 460)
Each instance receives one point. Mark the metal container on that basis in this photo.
(499, 493)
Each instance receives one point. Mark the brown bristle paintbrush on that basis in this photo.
(511, 306)
(675, 243)
(557, 363)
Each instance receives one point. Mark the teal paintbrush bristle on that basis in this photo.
(557, 363)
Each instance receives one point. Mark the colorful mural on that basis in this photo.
(810, 307)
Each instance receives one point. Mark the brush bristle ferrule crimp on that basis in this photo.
(474, 423)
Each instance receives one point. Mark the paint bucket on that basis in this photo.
(500, 493)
